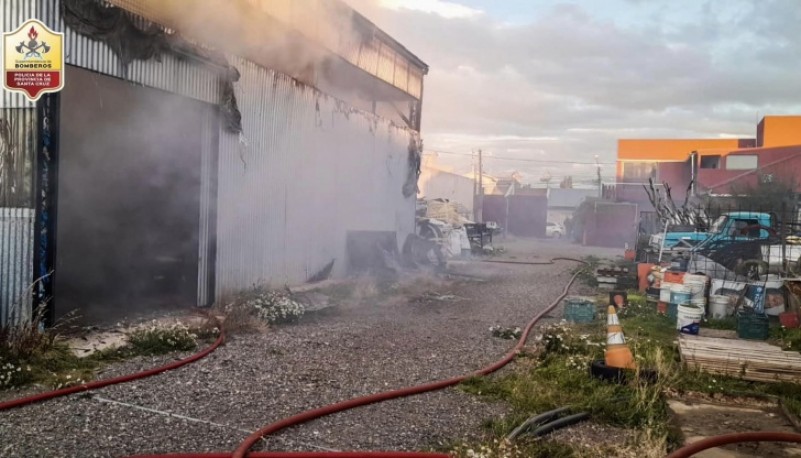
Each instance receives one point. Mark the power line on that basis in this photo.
(539, 161)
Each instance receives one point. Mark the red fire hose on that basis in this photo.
(113, 381)
(303, 417)
(719, 441)
(306, 455)
(309, 415)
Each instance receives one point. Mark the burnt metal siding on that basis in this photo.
(307, 170)
(332, 25)
(180, 76)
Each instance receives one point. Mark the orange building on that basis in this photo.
(639, 160)
(775, 131)
(706, 163)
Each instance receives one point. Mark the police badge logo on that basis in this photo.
(33, 60)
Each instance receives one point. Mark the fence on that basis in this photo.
(736, 240)
(18, 142)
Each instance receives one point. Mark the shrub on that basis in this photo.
(159, 341)
(275, 307)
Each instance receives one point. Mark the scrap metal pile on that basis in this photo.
(448, 226)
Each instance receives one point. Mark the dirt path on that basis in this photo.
(361, 347)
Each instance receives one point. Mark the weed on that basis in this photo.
(29, 355)
(561, 378)
(252, 310)
(504, 449)
(728, 323)
(788, 339)
(160, 341)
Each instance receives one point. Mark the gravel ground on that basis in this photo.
(357, 348)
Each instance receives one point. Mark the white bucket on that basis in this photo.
(697, 285)
(719, 307)
(689, 318)
(664, 292)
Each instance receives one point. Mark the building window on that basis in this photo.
(742, 162)
(710, 162)
(638, 172)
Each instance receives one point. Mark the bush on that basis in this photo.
(159, 341)
(275, 307)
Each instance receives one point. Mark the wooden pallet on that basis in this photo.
(749, 360)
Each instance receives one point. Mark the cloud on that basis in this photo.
(445, 9)
(577, 76)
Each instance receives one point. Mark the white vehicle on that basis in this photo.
(554, 230)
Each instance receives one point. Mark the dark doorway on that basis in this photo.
(129, 198)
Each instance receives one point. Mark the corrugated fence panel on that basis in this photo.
(208, 171)
(18, 144)
(307, 170)
(181, 76)
(16, 264)
(12, 14)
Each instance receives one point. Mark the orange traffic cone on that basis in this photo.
(617, 352)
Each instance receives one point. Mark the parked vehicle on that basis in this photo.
(731, 227)
(746, 245)
(554, 230)
(678, 238)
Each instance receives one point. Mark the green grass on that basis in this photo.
(30, 356)
(499, 449)
(559, 376)
(788, 339)
(728, 323)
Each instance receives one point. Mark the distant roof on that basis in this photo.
(569, 198)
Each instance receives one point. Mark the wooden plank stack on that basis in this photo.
(750, 360)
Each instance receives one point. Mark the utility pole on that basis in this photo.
(600, 184)
(480, 211)
(475, 186)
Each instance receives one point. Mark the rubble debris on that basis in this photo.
(506, 333)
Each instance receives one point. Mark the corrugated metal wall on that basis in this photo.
(17, 168)
(307, 170)
(12, 14)
(16, 264)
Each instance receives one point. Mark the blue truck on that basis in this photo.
(732, 227)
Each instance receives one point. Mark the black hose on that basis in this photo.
(536, 420)
(560, 423)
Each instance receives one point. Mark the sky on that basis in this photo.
(555, 80)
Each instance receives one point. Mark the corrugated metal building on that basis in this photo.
(181, 168)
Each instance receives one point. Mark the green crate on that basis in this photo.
(580, 310)
(751, 326)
